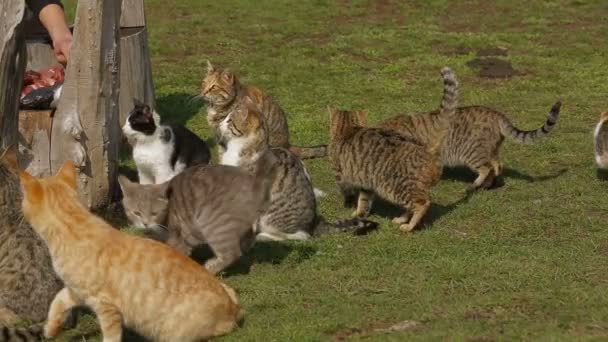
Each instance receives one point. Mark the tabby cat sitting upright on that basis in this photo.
(170, 299)
(218, 205)
(382, 162)
(475, 136)
(292, 214)
(161, 152)
(223, 92)
(28, 282)
(600, 136)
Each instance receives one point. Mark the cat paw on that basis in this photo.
(358, 214)
(399, 220)
(51, 329)
(406, 228)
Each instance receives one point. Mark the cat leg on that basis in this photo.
(418, 210)
(8, 317)
(482, 173)
(364, 204)
(144, 178)
(110, 321)
(227, 250)
(64, 301)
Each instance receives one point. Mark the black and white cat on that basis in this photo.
(160, 152)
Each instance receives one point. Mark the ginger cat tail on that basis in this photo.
(143, 284)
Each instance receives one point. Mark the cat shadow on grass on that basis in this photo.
(263, 252)
(386, 209)
(602, 174)
(178, 108)
(465, 175)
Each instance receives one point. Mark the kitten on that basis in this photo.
(171, 299)
(377, 161)
(28, 282)
(292, 214)
(474, 138)
(223, 93)
(161, 152)
(600, 135)
(218, 205)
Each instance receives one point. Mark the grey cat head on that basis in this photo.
(146, 206)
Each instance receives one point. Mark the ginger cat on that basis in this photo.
(171, 299)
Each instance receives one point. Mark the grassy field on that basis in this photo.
(526, 261)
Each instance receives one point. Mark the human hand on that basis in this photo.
(61, 47)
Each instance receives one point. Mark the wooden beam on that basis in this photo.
(12, 68)
(133, 14)
(85, 126)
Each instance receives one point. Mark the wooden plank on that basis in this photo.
(35, 141)
(12, 68)
(135, 70)
(85, 126)
(133, 14)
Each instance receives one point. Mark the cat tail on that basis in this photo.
(32, 333)
(232, 294)
(309, 152)
(356, 225)
(447, 108)
(507, 128)
(600, 135)
(265, 172)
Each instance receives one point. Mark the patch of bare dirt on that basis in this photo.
(492, 67)
(375, 328)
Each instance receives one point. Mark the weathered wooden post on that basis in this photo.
(86, 126)
(135, 66)
(12, 66)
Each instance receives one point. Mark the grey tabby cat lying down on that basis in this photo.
(218, 205)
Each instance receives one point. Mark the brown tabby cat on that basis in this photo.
(223, 92)
(170, 299)
(218, 205)
(28, 282)
(396, 167)
(474, 138)
(600, 135)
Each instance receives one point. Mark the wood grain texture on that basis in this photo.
(133, 14)
(12, 67)
(35, 141)
(86, 127)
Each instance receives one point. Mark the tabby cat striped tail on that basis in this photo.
(29, 334)
(449, 101)
(308, 152)
(507, 128)
(447, 109)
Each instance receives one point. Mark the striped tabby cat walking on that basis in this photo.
(382, 162)
(474, 138)
(125, 279)
(224, 93)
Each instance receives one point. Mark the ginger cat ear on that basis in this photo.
(10, 159)
(30, 187)
(362, 114)
(210, 67)
(228, 76)
(67, 173)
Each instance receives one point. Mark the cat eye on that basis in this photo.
(136, 213)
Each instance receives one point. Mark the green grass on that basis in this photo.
(526, 261)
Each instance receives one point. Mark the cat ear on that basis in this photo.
(10, 158)
(164, 190)
(125, 184)
(30, 187)
(362, 114)
(67, 173)
(210, 68)
(228, 76)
